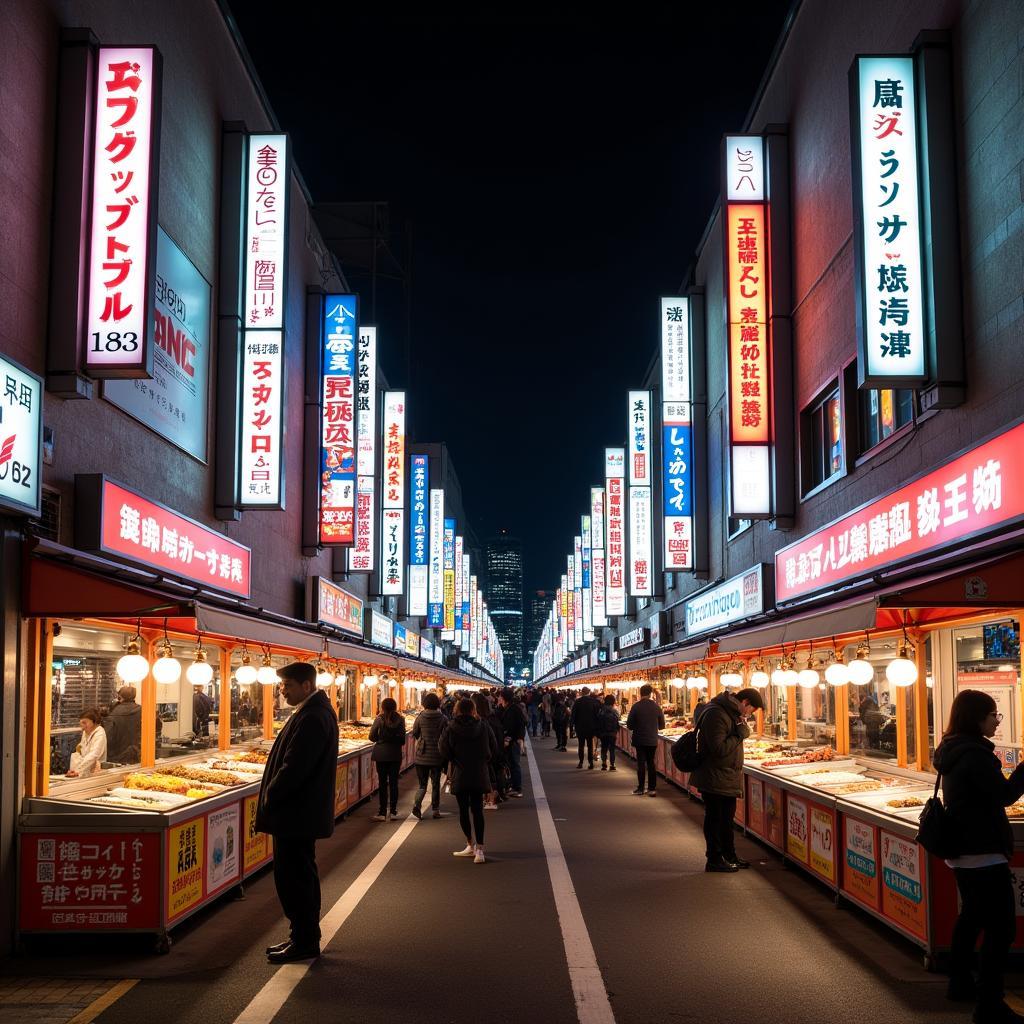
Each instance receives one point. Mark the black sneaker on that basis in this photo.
(604, 767)
(416, 811)
(720, 864)
(613, 769)
(638, 791)
(580, 765)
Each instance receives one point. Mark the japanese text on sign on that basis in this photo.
(338, 421)
(362, 555)
(266, 237)
(615, 546)
(262, 419)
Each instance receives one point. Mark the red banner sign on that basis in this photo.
(967, 497)
(333, 606)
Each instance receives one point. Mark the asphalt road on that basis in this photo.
(438, 939)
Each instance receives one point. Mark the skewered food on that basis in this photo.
(246, 767)
(254, 756)
(217, 778)
(810, 757)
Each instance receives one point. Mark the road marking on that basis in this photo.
(97, 1006)
(268, 1001)
(592, 1006)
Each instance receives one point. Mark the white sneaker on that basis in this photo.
(490, 807)
(467, 852)
(478, 856)
(379, 817)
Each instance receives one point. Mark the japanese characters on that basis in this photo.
(338, 421)
(677, 438)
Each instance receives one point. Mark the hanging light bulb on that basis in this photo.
(809, 677)
(901, 671)
(759, 677)
(779, 674)
(324, 677)
(167, 668)
(861, 670)
(700, 680)
(200, 672)
(838, 672)
(132, 667)
(340, 679)
(266, 674)
(731, 676)
(245, 674)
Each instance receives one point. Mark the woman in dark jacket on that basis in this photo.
(497, 765)
(976, 795)
(560, 720)
(468, 746)
(388, 737)
(426, 730)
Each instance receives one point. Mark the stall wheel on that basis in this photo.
(163, 944)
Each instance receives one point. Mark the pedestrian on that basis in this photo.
(976, 795)
(498, 768)
(202, 705)
(512, 721)
(645, 721)
(533, 711)
(296, 806)
(608, 732)
(570, 701)
(721, 729)
(468, 746)
(560, 720)
(545, 710)
(426, 731)
(91, 752)
(584, 718)
(387, 734)
(123, 728)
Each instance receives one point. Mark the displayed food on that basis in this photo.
(824, 777)
(865, 786)
(254, 757)
(1015, 810)
(809, 757)
(910, 801)
(217, 778)
(127, 801)
(161, 783)
(246, 768)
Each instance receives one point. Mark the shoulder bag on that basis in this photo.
(935, 831)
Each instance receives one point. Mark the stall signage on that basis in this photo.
(435, 574)
(21, 439)
(968, 497)
(174, 401)
(677, 437)
(381, 630)
(340, 788)
(823, 843)
(89, 881)
(333, 606)
(615, 531)
(266, 237)
(338, 358)
(393, 495)
(796, 829)
(362, 554)
(860, 877)
(185, 859)
(353, 779)
(400, 638)
(122, 246)
(426, 649)
(256, 845)
(222, 848)
(755, 805)
(261, 458)
(902, 889)
(419, 541)
(118, 522)
(392, 550)
(449, 580)
(639, 429)
(438, 654)
(632, 638)
(412, 642)
(736, 599)
(640, 542)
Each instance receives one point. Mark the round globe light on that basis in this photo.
(324, 678)
(759, 680)
(340, 679)
(779, 677)
(245, 674)
(861, 672)
(167, 669)
(267, 675)
(200, 672)
(808, 677)
(132, 668)
(731, 679)
(700, 683)
(837, 674)
(901, 672)
(792, 678)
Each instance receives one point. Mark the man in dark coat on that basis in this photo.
(296, 806)
(513, 722)
(584, 717)
(721, 730)
(123, 727)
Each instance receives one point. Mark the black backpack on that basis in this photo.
(685, 755)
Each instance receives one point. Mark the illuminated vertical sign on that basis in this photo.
(746, 259)
(677, 435)
(887, 222)
(449, 580)
(641, 472)
(615, 531)
(392, 557)
(469, 619)
(338, 420)
(577, 576)
(122, 243)
(435, 567)
(419, 535)
(570, 600)
(459, 583)
(598, 582)
(362, 555)
(261, 439)
(563, 612)
(266, 237)
(467, 611)
(588, 581)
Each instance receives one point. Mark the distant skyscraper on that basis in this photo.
(536, 618)
(505, 594)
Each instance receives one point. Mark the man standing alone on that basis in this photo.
(584, 717)
(721, 730)
(296, 807)
(645, 721)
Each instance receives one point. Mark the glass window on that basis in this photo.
(988, 659)
(737, 526)
(776, 716)
(929, 679)
(873, 704)
(822, 441)
(187, 715)
(816, 714)
(882, 413)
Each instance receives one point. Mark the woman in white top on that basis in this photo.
(92, 749)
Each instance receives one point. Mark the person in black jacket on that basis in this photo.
(607, 732)
(513, 721)
(388, 737)
(560, 720)
(498, 768)
(296, 806)
(976, 795)
(468, 746)
(584, 717)
(426, 730)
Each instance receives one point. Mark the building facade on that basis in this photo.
(505, 593)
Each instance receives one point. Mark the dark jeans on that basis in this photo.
(589, 742)
(428, 773)
(298, 887)
(608, 749)
(473, 801)
(387, 776)
(645, 762)
(545, 725)
(533, 720)
(987, 905)
(719, 836)
(513, 753)
(561, 734)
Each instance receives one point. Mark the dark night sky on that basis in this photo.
(558, 171)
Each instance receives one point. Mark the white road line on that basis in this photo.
(268, 1001)
(592, 1006)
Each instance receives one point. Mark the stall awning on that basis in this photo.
(221, 622)
(849, 617)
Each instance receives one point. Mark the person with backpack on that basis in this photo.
(645, 721)
(388, 737)
(720, 731)
(560, 720)
(607, 732)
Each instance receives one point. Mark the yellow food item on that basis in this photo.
(157, 783)
(1015, 810)
(197, 794)
(910, 801)
(216, 778)
(254, 756)
(857, 787)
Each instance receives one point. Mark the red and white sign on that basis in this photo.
(266, 236)
(640, 542)
(89, 881)
(130, 526)
(393, 495)
(615, 524)
(262, 436)
(122, 244)
(973, 494)
(361, 557)
(640, 436)
(332, 606)
(338, 421)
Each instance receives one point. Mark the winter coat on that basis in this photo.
(387, 740)
(559, 714)
(513, 722)
(468, 745)
(123, 727)
(644, 722)
(720, 735)
(426, 730)
(584, 715)
(976, 793)
(297, 790)
(607, 720)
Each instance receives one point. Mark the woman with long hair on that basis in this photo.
(496, 768)
(388, 737)
(468, 746)
(976, 795)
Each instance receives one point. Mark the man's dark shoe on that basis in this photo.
(416, 811)
(292, 954)
(437, 813)
(739, 862)
(579, 766)
(279, 946)
(590, 766)
(722, 865)
(961, 989)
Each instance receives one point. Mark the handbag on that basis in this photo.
(935, 831)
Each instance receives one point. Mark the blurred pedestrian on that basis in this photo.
(584, 718)
(467, 744)
(387, 734)
(498, 767)
(560, 721)
(426, 731)
(608, 732)
(512, 721)
(645, 721)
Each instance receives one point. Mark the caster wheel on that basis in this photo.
(163, 945)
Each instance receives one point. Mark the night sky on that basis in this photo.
(557, 171)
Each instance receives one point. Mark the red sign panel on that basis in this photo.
(333, 606)
(969, 496)
(89, 881)
(130, 526)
